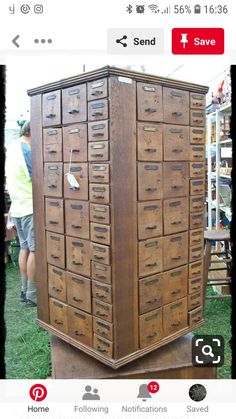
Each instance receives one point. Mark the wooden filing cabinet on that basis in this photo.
(119, 254)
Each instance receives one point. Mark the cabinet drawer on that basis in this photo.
(150, 328)
(197, 203)
(197, 135)
(79, 292)
(78, 255)
(150, 293)
(98, 151)
(52, 108)
(197, 170)
(149, 181)
(176, 215)
(150, 257)
(175, 316)
(52, 144)
(100, 213)
(195, 316)
(77, 218)
(75, 143)
(175, 179)
(58, 315)
(103, 346)
(103, 328)
(176, 142)
(197, 220)
(80, 326)
(102, 310)
(195, 300)
(100, 253)
(175, 250)
(196, 269)
(54, 215)
(194, 285)
(149, 219)
(99, 173)
(196, 237)
(175, 284)
(53, 179)
(97, 89)
(149, 142)
(197, 187)
(80, 172)
(149, 98)
(100, 233)
(197, 118)
(98, 110)
(101, 272)
(176, 106)
(55, 249)
(197, 101)
(102, 291)
(100, 194)
(74, 105)
(195, 253)
(98, 131)
(197, 152)
(57, 283)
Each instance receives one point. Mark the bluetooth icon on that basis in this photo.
(129, 8)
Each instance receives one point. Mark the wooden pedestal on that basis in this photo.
(171, 361)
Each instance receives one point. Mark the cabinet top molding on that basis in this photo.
(115, 71)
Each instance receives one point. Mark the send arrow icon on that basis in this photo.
(14, 41)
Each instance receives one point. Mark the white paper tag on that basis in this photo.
(125, 80)
(72, 181)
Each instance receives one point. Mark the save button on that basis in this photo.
(198, 41)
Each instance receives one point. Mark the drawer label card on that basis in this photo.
(125, 80)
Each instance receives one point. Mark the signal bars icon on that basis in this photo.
(166, 11)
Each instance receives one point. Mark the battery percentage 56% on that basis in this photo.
(182, 9)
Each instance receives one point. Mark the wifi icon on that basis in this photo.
(154, 8)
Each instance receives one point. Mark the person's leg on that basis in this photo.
(31, 294)
(23, 256)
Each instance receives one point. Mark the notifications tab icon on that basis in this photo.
(196, 41)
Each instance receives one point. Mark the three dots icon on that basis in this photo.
(42, 41)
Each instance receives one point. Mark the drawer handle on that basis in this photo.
(151, 110)
(176, 258)
(151, 282)
(98, 313)
(77, 333)
(197, 190)
(57, 272)
(79, 280)
(75, 150)
(73, 111)
(50, 115)
(197, 138)
(197, 173)
(176, 273)
(197, 223)
(175, 204)
(177, 150)
(100, 295)
(97, 93)
(103, 351)
(150, 150)
(74, 131)
(151, 189)
(197, 206)
(58, 321)
(152, 336)
(100, 276)
(100, 237)
(52, 186)
(175, 324)
(98, 134)
(51, 97)
(99, 217)
(75, 226)
(98, 176)
(176, 94)
(98, 196)
(196, 272)
(52, 152)
(175, 239)
(97, 155)
(53, 222)
(151, 227)
(196, 288)
(154, 300)
(78, 300)
(196, 320)
(197, 256)
(56, 289)
(98, 257)
(198, 121)
(196, 241)
(76, 263)
(176, 187)
(176, 292)
(198, 97)
(77, 244)
(106, 326)
(177, 113)
(197, 156)
(152, 244)
(150, 265)
(97, 113)
(176, 222)
(176, 130)
(151, 167)
(151, 207)
(52, 132)
(54, 257)
(101, 229)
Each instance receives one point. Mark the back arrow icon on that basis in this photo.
(14, 41)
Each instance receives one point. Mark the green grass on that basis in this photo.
(27, 348)
(27, 345)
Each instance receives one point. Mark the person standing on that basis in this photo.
(19, 184)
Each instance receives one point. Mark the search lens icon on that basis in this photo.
(207, 350)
